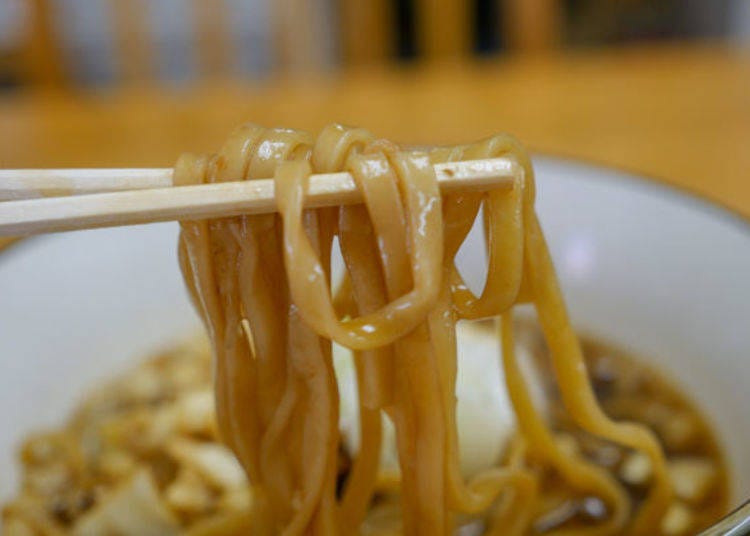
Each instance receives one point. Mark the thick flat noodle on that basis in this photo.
(575, 387)
(581, 474)
(374, 367)
(262, 285)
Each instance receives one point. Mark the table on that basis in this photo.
(680, 113)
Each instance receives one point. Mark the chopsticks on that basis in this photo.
(38, 183)
(115, 197)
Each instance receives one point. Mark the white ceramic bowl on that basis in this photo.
(654, 269)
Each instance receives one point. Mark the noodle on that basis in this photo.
(262, 286)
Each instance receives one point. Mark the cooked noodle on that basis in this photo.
(262, 285)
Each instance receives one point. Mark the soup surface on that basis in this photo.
(628, 389)
(141, 455)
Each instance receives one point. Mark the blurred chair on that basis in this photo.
(297, 35)
(298, 38)
(443, 28)
(447, 28)
(304, 35)
(368, 32)
(133, 41)
(42, 61)
(532, 25)
(145, 40)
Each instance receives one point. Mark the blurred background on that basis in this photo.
(659, 87)
(98, 43)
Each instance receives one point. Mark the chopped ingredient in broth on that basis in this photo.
(629, 389)
(141, 456)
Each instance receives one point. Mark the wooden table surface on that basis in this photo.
(678, 113)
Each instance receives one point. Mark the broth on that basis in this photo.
(629, 389)
(149, 437)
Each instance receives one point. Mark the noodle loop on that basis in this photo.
(262, 285)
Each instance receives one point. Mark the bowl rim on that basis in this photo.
(659, 184)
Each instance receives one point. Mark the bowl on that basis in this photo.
(650, 268)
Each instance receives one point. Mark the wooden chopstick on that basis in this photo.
(18, 184)
(143, 205)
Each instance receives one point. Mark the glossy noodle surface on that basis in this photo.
(263, 287)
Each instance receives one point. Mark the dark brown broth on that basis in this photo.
(629, 389)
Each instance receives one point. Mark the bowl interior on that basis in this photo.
(643, 266)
